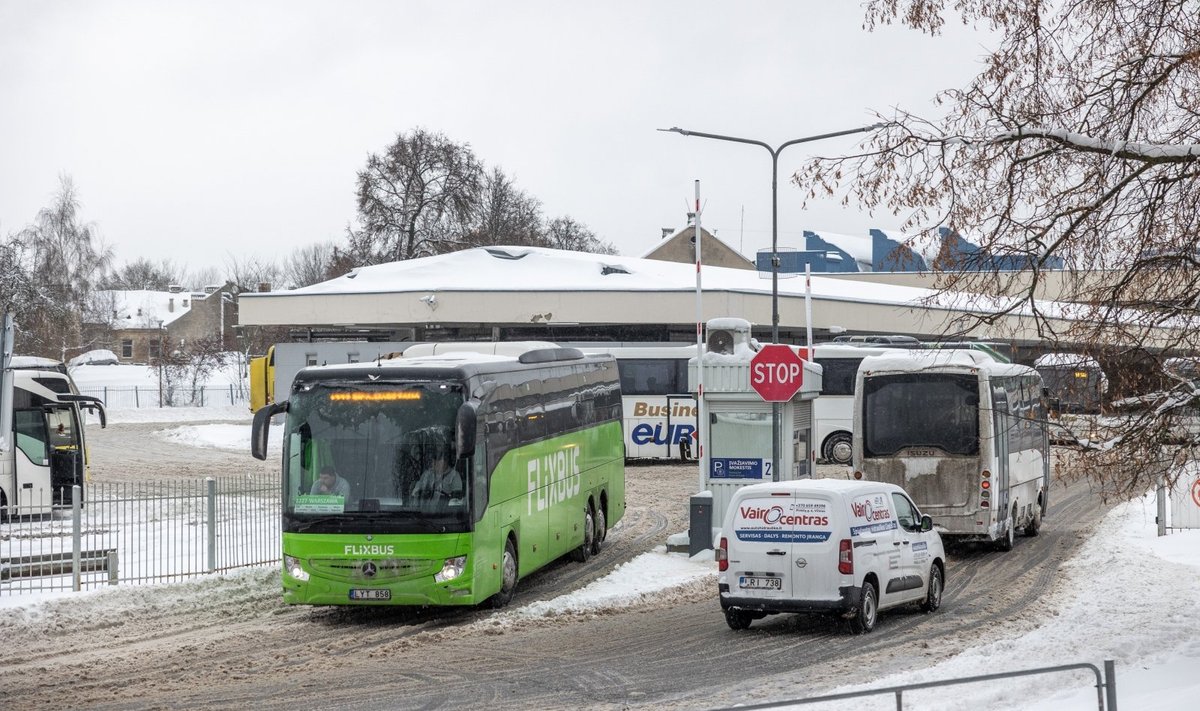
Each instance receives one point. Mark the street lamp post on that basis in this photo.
(774, 240)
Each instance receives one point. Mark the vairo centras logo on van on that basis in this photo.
(773, 523)
(775, 516)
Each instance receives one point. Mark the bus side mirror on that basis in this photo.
(926, 523)
(464, 430)
(260, 429)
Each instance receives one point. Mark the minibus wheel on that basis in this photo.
(868, 610)
(933, 597)
(738, 619)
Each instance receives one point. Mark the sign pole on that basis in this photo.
(701, 424)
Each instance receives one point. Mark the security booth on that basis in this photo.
(742, 380)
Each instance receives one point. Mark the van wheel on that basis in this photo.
(1006, 542)
(933, 597)
(508, 577)
(585, 549)
(601, 531)
(738, 619)
(868, 610)
(838, 449)
(1034, 526)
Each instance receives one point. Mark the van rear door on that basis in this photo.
(782, 541)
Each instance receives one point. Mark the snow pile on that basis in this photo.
(645, 578)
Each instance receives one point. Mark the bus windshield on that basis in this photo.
(375, 457)
(920, 410)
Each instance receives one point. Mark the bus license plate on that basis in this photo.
(755, 583)
(371, 594)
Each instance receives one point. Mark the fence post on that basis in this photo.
(76, 534)
(211, 483)
(1161, 517)
(136, 400)
(106, 396)
(1110, 685)
(112, 567)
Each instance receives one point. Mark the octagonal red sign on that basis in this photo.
(776, 373)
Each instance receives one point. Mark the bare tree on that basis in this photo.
(184, 369)
(566, 233)
(309, 265)
(416, 199)
(65, 257)
(1077, 145)
(246, 274)
(505, 214)
(143, 273)
(17, 287)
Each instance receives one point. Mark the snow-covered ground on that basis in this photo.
(1128, 596)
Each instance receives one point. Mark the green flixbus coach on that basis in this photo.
(533, 437)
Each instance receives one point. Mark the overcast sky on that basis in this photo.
(199, 131)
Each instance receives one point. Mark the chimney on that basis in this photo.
(264, 286)
(666, 232)
(171, 305)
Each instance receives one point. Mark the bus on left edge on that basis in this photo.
(43, 451)
(533, 435)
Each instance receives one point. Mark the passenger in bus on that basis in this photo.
(329, 482)
(439, 478)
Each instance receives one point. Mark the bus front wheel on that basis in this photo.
(508, 576)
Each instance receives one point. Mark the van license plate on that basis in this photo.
(371, 594)
(757, 583)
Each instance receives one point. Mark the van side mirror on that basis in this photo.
(926, 523)
(465, 425)
(261, 428)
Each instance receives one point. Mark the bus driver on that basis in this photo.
(439, 478)
(329, 482)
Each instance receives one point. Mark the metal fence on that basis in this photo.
(144, 532)
(137, 396)
(1106, 687)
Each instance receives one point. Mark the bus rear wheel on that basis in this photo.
(838, 449)
(1034, 526)
(585, 549)
(601, 531)
(508, 577)
(1009, 539)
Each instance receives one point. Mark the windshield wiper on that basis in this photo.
(304, 526)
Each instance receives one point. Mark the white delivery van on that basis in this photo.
(850, 548)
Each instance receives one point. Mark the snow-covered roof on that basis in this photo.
(904, 361)
(529, 269)
(142, 308)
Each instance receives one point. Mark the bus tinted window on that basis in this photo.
(838, 375)
(920, 410)
(653, 376)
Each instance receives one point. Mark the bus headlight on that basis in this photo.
(452, 569)
(291, 564)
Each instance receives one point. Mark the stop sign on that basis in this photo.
(776, 373)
